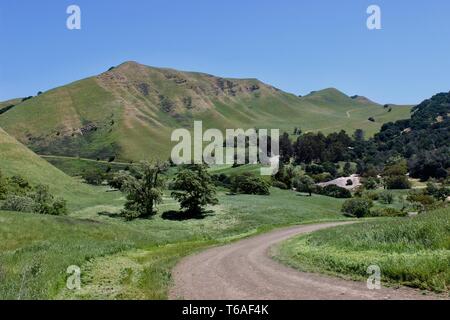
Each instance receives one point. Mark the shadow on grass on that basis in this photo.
(110, 214)
(174, 215)
(304, 195)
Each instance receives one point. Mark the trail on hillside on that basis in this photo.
(244, 270)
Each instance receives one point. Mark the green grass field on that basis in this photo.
(133, 259)
(410, 251)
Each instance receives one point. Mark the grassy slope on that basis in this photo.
(410, 251)
(46, 246)
(16, 159)
(127, 107)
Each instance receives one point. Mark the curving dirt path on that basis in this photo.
(244, 270)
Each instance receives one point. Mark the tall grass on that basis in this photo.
(410, 251)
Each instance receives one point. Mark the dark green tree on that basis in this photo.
(144, 191)
(194, 189)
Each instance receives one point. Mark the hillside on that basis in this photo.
(130, 111)
(16, 159)
(423, 140)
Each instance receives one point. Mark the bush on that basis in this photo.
(371, 183)
(386, 212)
(280, 185)
(349, 182)
(386, 197)
(322, 177)
(374, 196)
(44, 202)
(249, 183)
(421, 201)
(93, 177)
(18, 203)
(304, 184)
(397, 182)
(335, 192)
(440, 193)
(358, 207)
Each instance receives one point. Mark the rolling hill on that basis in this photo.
(130, 111)
(16, 159)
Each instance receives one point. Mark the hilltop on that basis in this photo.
(129, 112)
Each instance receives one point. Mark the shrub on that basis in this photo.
(386, 212)
(18, 203)
(374, 196)
(322, 177)
(349, 182)
(335, 192)
(440, 193)
(249, 183)
(357, 207)
(386, 197)
(397, 182)
(304, 184)
(93, 177)
(422, 202)
(44, 202)
(371, 183)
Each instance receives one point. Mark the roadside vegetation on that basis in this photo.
(410, 251)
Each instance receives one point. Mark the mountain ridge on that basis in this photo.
(129, 111)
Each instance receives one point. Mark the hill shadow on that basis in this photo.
(174, 215)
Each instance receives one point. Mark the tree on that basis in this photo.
(144, 192)
(357, 207)
(194, 188)
(347, 171)
(304, 184)
(286, 149)
(397, 182)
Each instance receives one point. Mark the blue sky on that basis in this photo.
(296, 45)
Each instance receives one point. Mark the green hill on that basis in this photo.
(130, 111)
(16, 159)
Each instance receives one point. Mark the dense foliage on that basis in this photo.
(194, 189)
(249, 183)
(143, 190)
(17, 194)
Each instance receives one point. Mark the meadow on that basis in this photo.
(121, 260)
(410, 251)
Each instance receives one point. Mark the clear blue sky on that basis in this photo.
(296, 45)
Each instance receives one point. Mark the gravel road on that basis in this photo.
(244, 270)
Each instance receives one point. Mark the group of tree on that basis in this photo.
(423, 141)
(315, 147)
(144, 187)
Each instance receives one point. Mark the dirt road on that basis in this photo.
(244, 270)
